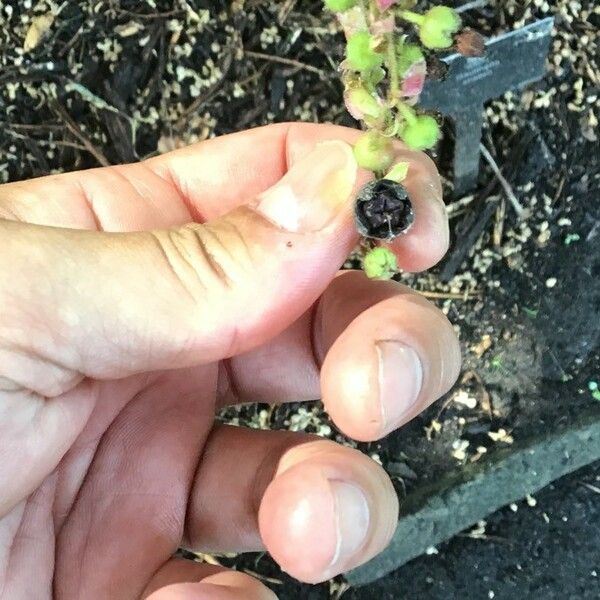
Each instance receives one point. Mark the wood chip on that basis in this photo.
(37, 31)
(129, 29)
(482, 346)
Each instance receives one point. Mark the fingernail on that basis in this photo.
(400, 381)
(313, 192)
(352, 521)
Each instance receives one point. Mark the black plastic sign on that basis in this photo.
(511, 61)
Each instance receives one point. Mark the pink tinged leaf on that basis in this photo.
(414, 80)
(353, 21)
(384, 4)
(383, 26)
(351, 107)
(357, 108)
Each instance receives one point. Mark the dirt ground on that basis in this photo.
(100, 82)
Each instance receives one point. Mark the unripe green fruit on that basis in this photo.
(340, 5)
(409, 55)
(364, 105)
(422, 133)
(380, 263)
(439, 24)
(360, 54)
(374, 152)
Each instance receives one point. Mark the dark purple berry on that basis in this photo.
(383, 210)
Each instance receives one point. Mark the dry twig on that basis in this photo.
(64, 116)
(284, 61)
(503, 182)
(285, 10)
(450, 295)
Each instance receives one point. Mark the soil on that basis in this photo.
(543, 548)
(111, 81)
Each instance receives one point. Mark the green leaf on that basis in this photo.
(398, 172)
(532, 313)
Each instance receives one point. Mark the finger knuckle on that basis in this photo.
(205, 257)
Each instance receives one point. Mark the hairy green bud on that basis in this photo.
(439, 24)
(421, 133)
(380, 263)
(360, 54)
(408, 55)
(374, 152)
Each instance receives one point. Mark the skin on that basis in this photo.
(138, 300)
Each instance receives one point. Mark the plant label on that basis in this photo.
(512, 61)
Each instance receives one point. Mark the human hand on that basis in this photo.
(136, 301)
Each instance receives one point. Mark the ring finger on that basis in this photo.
(319, 508)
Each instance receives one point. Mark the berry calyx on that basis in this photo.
(340, 5)
(360, 53)
(383, 210)
(421, 133)
(439, 25)
(374, 152)
(380, 263)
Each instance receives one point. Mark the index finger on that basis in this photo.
(206, 180)
(217, 175)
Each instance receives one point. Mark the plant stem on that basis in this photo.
(392, 65)
(407, 112)
(412, 17)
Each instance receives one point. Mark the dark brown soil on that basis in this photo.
(115, 81)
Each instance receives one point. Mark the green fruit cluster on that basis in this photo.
(367, 107)
(408, 55)
(376, 57)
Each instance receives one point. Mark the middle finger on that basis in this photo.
(386, 353)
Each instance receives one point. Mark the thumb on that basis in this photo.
(113, 304)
